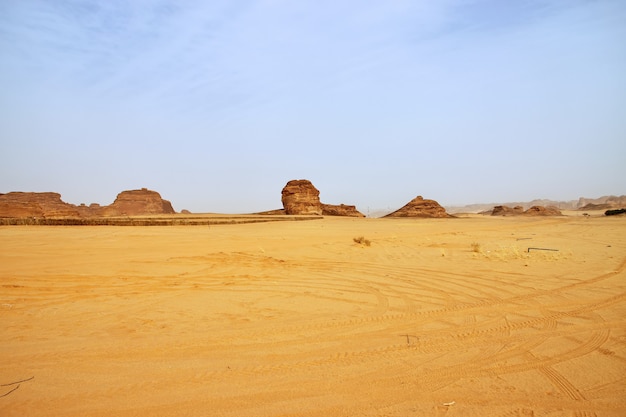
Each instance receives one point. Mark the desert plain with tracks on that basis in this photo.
(420, 317)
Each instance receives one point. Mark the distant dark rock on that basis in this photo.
(615, 212)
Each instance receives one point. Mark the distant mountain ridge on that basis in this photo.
(583, 203)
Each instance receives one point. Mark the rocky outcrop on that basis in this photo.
(27, 204)
(340, 210)
(138, 202)
(532, 211)
(301, 197)
(543, 211)
(419, 207)
(507, 211)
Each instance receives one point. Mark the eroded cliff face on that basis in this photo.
(301, 197)
(420, 207)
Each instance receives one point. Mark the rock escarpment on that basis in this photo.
(420, 207)
(301, 197)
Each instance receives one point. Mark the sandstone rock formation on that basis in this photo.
(138, 202)
(301, 197)
(419, 207)
(341, 210)
(28, 204)
(532, 211)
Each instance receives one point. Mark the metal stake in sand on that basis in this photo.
(553, 250)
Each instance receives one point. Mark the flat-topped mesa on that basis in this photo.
(30, 204)
(420, 207)
(301, 197)
(138, 202)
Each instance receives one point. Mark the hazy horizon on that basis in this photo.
(216, 105)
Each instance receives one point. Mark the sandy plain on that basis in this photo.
(435, 317)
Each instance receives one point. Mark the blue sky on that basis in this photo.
(217, 104)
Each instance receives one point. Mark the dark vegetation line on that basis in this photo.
(150, 221)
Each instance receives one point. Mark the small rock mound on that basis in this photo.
(420, 207)
(138, 202)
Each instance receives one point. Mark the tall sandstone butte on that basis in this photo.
(419, 207)
(301, 197)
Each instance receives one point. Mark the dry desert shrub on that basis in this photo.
(476, 248)
(362, 241)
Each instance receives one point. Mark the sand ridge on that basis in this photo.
(435, 317)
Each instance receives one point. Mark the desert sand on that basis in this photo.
(434, 317)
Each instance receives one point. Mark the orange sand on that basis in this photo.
(296, 319)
